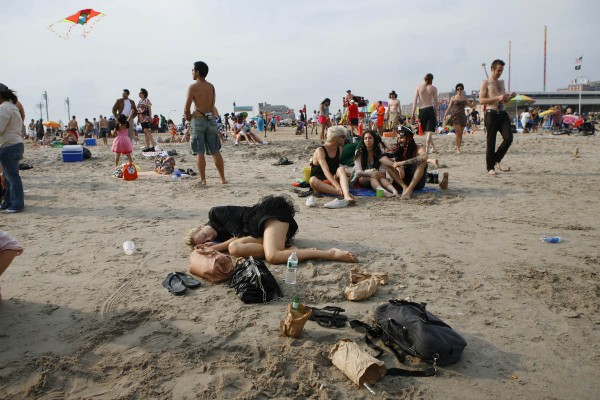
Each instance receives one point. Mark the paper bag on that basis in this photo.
(293, 324)
(356, 364)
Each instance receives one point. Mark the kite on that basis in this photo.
(82, 17)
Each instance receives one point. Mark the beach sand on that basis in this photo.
(80, 319)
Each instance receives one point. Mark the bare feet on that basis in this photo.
(342, 255)
(492, 172)
(457, 151)
(444, 182)
(499, 168)
(224, 181)
(405, 195)
(434, 162)
(388, 194)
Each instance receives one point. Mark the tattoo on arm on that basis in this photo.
(416, 160)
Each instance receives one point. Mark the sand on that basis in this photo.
(80, 319)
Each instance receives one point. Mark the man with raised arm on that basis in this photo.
(204, 133)
(427, 101)
(493, 96)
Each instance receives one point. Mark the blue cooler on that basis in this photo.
(90, 142)
(72, 153)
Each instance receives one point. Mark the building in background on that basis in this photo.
(281, 111)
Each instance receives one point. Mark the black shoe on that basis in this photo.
(429, 177)
(436, 178)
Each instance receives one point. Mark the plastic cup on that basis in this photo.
(379, 192)
(306, 174)
(128, 247)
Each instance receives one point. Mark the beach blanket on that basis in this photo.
(365, 192)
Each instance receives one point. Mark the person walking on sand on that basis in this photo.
(204, 132)
(122, 144)
(380, 117)
(455, 113)
(126, 106)
(324, 119)
(493, 96)
(103, 129)
(11, 151)
(144, 112)
(427, 100)
(393, 111)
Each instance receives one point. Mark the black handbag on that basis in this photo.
(254, 283)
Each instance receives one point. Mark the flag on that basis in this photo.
(578, 62)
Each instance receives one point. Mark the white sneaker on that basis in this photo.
(337, 203)
(311, 201)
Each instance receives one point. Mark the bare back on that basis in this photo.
(426, 95)
(202, 94)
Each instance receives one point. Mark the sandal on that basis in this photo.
(329, 316)
(174, 284)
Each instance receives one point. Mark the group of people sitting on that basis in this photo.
(397, 171)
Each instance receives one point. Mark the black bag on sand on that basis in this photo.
(407, 328)
(254, 283)
(418, 332)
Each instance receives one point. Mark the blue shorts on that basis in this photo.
(203, 136)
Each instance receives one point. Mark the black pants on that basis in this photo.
(497, 122)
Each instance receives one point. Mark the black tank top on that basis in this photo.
(332, 163)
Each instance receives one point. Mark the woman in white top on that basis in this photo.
(11, 151)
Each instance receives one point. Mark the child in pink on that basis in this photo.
(122, 144)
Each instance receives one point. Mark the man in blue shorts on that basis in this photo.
(204, 137)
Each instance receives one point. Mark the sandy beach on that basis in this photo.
(80, 319)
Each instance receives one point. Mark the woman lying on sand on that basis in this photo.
(263, 230)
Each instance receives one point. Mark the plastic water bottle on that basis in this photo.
(292, 267)
(551, 239)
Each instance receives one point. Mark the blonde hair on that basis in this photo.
(188, 239)
(335, 132)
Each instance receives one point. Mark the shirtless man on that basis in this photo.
(103, 129)
(347, 98)
(427, 100)
(493, 96)
(393, 111)
(71, 136)
(204, 133)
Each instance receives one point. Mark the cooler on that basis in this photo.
(90, 142)
(72, 153)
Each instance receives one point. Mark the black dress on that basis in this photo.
(238, 221)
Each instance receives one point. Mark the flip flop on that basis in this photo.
(174, 284)
(191, 172)
(188, 281)
(305, 193)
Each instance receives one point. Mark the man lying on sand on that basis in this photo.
(263, 230)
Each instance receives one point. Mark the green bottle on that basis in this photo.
(296, 302)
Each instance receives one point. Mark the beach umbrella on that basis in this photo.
(547, 112)
(51, 124)
(519, 100)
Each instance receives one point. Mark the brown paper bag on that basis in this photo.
(293, 324)
(356, 364)
(361, 290)
(356, 275)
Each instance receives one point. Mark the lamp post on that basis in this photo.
(68, 105)
(45, 97)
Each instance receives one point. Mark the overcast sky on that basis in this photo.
(285, 52)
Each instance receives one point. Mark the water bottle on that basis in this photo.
(551, 239)
(292, 267)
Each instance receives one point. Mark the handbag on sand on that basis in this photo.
(210, 264)
(254, 283)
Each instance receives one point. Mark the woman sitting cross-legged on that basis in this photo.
(368, 170)
(264, 230)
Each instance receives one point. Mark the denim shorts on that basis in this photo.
(204, 138)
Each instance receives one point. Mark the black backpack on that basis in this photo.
(407, 328)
